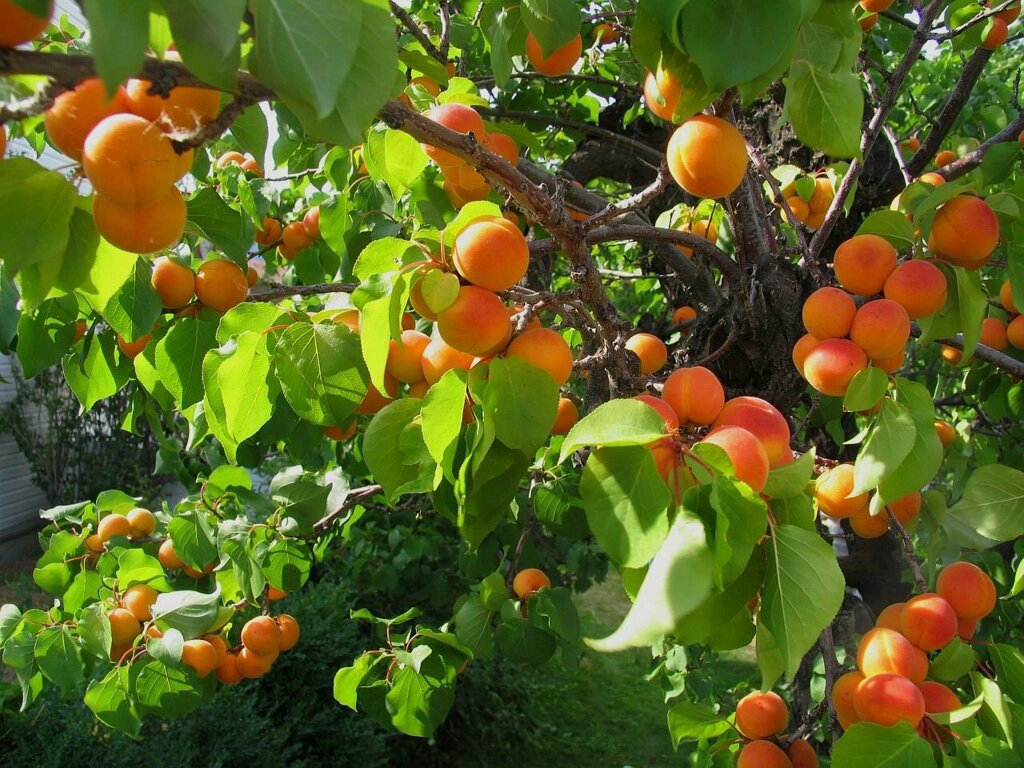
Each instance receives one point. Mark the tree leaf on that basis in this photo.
(993, 503)
(97, 373)
(206, 35)
(416, 705)
(59, 657)
(191, 613)
(617, 422)
(866, 745)
(221, 224)
(35, 214)
(396, 157)
(521, 401)
(886, 446)
(46, 334)
(239, 391)
(394, 450)
(321, 371)
(553, 22)
(690, 722)
(891, 225)
(442, 412)
(179, 358)
(109, 700)
(119, 32)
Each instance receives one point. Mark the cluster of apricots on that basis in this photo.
(246, 163)
(760, 717)
(995, 332)
(561, 60)
(293, 237)
(832, 492)
(890, 684)
(463, 183)
(1014, 328)
(263, 638)
(810, 211)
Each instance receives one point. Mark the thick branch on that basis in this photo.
(972, 160)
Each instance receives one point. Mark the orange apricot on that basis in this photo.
(270, 232)
(802, 755)
(311, 223)
(374, 399)
(799, 208)
(907, 508)
(684, 315)
(295, 236)
(491, 253)
(158, 225)
(764, 421)
(762, 754)
(113, 525)
(439, 357)
(944, 158)
(1009, 15)
(252, 665)
(529, 581)
(227, 671)
(946, 433)
(889, 618)
(842, 698)
(650, 349)
(661, 93)
(18, 26)
(132, 349)
(875, 6)
(869, 526)
(695, 394)
(996, 35)
(707, 156)
(339, 434)
(124, 627)
(405, 359)
(168, 557)
(886, 651)
(261, 635)
(75, 113)
(801, 349)
(951, 355)
(749, 458)
(831, 364)
(911, 145)
(289, 631)
(935, 179)
(881, 328)
(131, 162)
(568, 415)
(201, 656)
(94, 543)
(664, 410)
(828, 313)
(938, 698)
(891, 364)
(917, 286)
(832, 492)
(456, 117)
(965, 231)
(928, 621)
(143, 522)
(139, 599)
(182, 109)
(545, 349)
(174, 283)
(559, 61)
(229, 158)
(867, 23)
(475, 323)
(760, 715)
(965, 628)
(1006, 297)
(822, 196)
(605, 34)
(221, 284)
(863, 263)
(968, 589)
(889, 699)
(1015, 332)
(702, 228)
(505, 147)
(993, 333)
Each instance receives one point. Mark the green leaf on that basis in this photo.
(558, 610)
(239, 391)
(119, 33)
(9, 312)
(221, 224)
(442, 419)
(383, 256)
(866, 745)
(953, 662)
(826, 108)
(302, 499)
(46, 334)
(194, 539)
(886, 446)
(973, 303)
(321, 371)
(251, 131)
(891, 225)
(417, 705)
(618, 422)
(802, 593)
(741, 517)
(191, 613)
(179, 358)
(287, 564)
(690, 722)
(866, 389)
(67, 272)
(1009, 664)
(704, 623)
(626, 504)
(109, 699)
(791, 479)
(994, 713)
(35, 214)
(678, 580)
(94, 629)
(473, 625)
(522, 642)
(394, 450)
(99, 374)
(381, 320)
(134, 306)
(521, 401)
(993, 503)
(502, 28)
(168, 691)
(206, 35)
(553, 22)
(396, 157)
(59, 657)
(348, 680)
(166, 648)
(10, 618)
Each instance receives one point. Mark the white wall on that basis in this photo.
(20, 498)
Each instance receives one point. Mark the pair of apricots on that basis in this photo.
(760, 717)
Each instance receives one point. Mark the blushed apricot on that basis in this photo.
(965, 231)
(867, 23)
(965, 628)
(661, 93)
(938, 698)
(842, 698)
(891, 364)
(702, 228)
(968, 589)
(764, 421)
(650, 349)
(200, 655)
(863, 263)
(935, 179)
(529, 581)
(559, 61)
(221, 285)
(289, 631)
(875, 6)
(547, 350)
(503, 146)
(832, 492)
(439, 357)
(475, 323)
(168, 557)
(993, 333)
(174, 283)
(252, 665)
(228, 672)
(139, 599)
(146, 229)
(695, 394)
(456, 117)
(907, 508)
(762, 754)
(664, 410)
(113, 525)
(18, 26)
(928, 621)
(869, 526)
(491, 253)
(568, 415)
(1009, 15)
(760, 715)
(889, 699)
(375, 400)
(605, 34)
(339, 434)
(183, 109)
(801, 349)
(996, 35)
(1006, 297)
(946, 433)
(1015, 332)
(707, 156)
(270, 232)
(131, 162)
(124, 627)
(749, 458)
(405, 359)
(311, 223)
(917, 286)
(885, 651)
(802, 755)
(828, 313)
(831, 365)
(75, 113)
(889, 618)
(261, 635)
(230, 157)
(881, 328)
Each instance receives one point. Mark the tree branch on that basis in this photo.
(486, 80)
(414, 29)
(634, 202)
(355, 496)
(972, 160)
(1006, 363)
(276, 292)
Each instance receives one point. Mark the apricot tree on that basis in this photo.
(559, 276)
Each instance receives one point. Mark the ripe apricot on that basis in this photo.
(875, 6)
(143, 522)
(132, 349)
(131, 162)
(229, 158)
(1009, 15)
(968, 589)
(996, 35)
(475, 323)
(828, 313)
(889, 699)
(270, 232)
(889, 618)
(94, 543)
(405, 359)
(764, 421)
(261, 635)
(944, 158)
(295, 236)
(842, 698)
(965, 628)
(702, 228)
(503, 146)
(684, 315)
(707, 156)
(891, 364)
(801, 349)
(881, 328)
(662, 86)
(831, 365)
(760, 715)
(1015, 332)
(912, 144)
(935, 179)
(559, 61)
(802, 755)
(252, 665)
(529, 581)
(200, 655)
(339, 434)
(124, 627)
(139, 599)
(228, 672)
(928, 621)
(695, 394)
(219, 646)
(221, 284)
(650, 349)
(75, 113)
(568, 415)
(946, 433)
(938, 698)
(18, 26)
(491, 253)
(311, 223)
(456, 117)
(951, 355)
(664, 410)
(289, 631)
(375, 400)
(439, 357)
(1006, 297)
(863, 263)
(799, 208)
(545, 349)
(832, 492)
(174, 283)
(993, 333)
(183, 109)
(605, 34)
(907, 508)
(749, 458)
(917, 286)
(867, 23)
(965, 231)
(886, 651)
(869, 526)
(146, 229)
(822, 196)
(168, 557)
(762, 754)
(113, 525)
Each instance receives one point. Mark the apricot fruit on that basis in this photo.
(1015, 332)
(695, 394)
(269, 233)
(684, 315)
(1009, 15)
(762, 754)
(201, 656)
(156, 226)
(124, 627)
(139, 599)
(938, 698)
(289, 631)
(261, 635)
(831, 364)
(311, 223)
(996, 35)
(965, 628)
(760, 715)
(227, 670)
(18, 26)
(75, 113)
(340, 435)
(221, 285)
(875, 6)
(1006, 298)
(869, 526)
(456, 117)
(935, 179)
(801, 349)
(944, 158)
(764, 421)
(889, 618)
(605, 34)
(650, 349)
(828, 313)
(545, 349)
(439, 357)
(664, 410)
(295, 236)
(132, 349)
(867, 23)
(475, 323)
(704, 228)
(799, 209)
(965, 231)
(886, 651)
(559, 61)
(707, 156)
(405, 359)
(749, 458)
(863, 264)
(174, 283)
(168, 557)
(832, 491)
(491, 253)
(504, 146)
(881, 328)
(113, 525)
(252, 665)
(946, 433)
(889, 699)
(917, 286)
(907, 508)
(822, 196)
(661, 93)
(994, 334)
(568, 415)
(842, 698)
(928, 621)
(968, 589)
(529, 581)
(375, 400)
(802, 755)
(184, 109)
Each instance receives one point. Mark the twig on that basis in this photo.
(355, 496)
(890, 134)
(446, 29)
(981, 16)
(972, 160)
(276, 292)
(832, 671)
(729, 341)
(908, 549)
(634, 202)
(1006, 363)
(414, 29)
(485, 80)
(216, 127)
